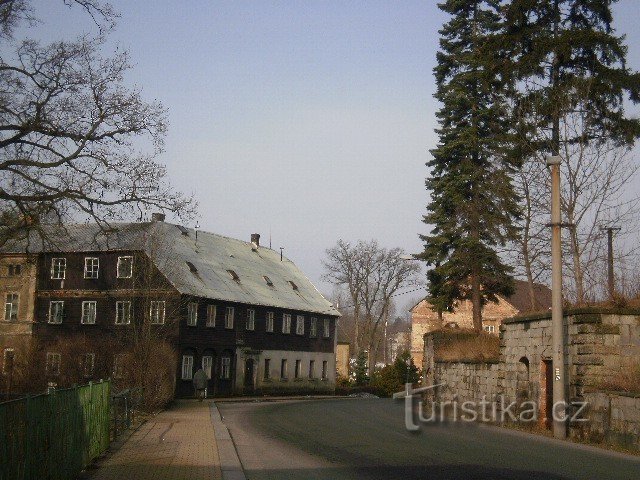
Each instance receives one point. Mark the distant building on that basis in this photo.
(424, 319)
(249, 317)
(398, 343)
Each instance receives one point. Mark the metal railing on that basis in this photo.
(124, 406)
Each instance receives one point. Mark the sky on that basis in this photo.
(306, 122)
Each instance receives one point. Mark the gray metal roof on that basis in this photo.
(201, 268)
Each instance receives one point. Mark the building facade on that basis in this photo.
(244, 313)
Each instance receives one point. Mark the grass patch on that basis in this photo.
(624, 381)
(467, 346)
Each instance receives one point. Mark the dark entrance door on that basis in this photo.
(548, 394)
(249, 367)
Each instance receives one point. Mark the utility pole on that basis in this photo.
(557, 322)
(610, 275)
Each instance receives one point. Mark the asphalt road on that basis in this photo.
(366, 439)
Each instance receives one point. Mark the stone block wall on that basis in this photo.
(467, 381)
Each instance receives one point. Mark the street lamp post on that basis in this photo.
(557, 322)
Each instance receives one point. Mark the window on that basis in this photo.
(267, 368)
(234, 275)
(490, 328)
(125, 267)
(251, 319)
(269, 322)
(211, 315)
(207, 365)
(297, 370)
(118, 365)
(14, 270)
(312, 368)
(56, 311)
(327, 329)
(11, 307)
(91, 267)
(157, 312)
(123, 313)
(299, 325)
(88, 362)
(53, 363)
(228, 317)
(187, 367)
(286, 323)
(225, 372)
(324, 370)
(8, 360)
(268, 280)
(293, 285)
(283, 368)
(192, 314)
(313, 327)
(88, 313)
(58, 268)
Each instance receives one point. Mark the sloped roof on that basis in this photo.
(200, 267)
(520, 299)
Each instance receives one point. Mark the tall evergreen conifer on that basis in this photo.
(473, 203)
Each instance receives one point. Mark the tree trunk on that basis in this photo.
(476, 301)
(578, 275)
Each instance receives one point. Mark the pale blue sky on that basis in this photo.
(310, 120)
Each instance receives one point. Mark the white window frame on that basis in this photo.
(85, 318)
(119, 272)
(192, 314)
(299, 324)
(127, 315)
(225, 371)
(229, 313)
(11, 307)
(58, 268)
(207, 365)
(187, 367)
(91, 267)
(313, 327)
(52, 365)
(56, 312)
(88, 372)
(269, 322)
(4, 359)
(326, 331)
(251, 319)
(286, 323)
(157, 311)
(118, 365)
(490, 328)
(212, 311)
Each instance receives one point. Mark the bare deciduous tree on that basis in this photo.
(372, 275)
(75, 142)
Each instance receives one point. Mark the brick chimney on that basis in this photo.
(255, 239)
(157, 217)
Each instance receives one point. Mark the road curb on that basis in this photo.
(229, 461)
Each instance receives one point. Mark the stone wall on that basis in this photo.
(613, 418)
(602, 343)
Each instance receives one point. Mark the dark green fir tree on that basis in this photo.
(473, 203)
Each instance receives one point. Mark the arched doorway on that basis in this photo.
(249, 375)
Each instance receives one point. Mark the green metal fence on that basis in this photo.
(55, 435)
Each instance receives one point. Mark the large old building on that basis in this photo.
(424, 319)
(244, 313)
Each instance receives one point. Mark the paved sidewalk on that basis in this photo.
(177, 444)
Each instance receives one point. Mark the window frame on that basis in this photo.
(267, 369)
(225, 370)
(154, 318)
(93, 270)
(312, 369)
(269, 321)
(118, 268)
(9, 306)
(129, 316)
(313, 327)
(208, 369)
(325, 370)
(251, 320)
(286, 323)
(53, 359)
(86, 303)
(211, 319)
(284, 367)
(229, 314)
(192, 314)
(326, 329)
(58, 267)
(297, 370)
(299, 324)
(58, 310)
(187, 360)
(14, 269)
(5, 370)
